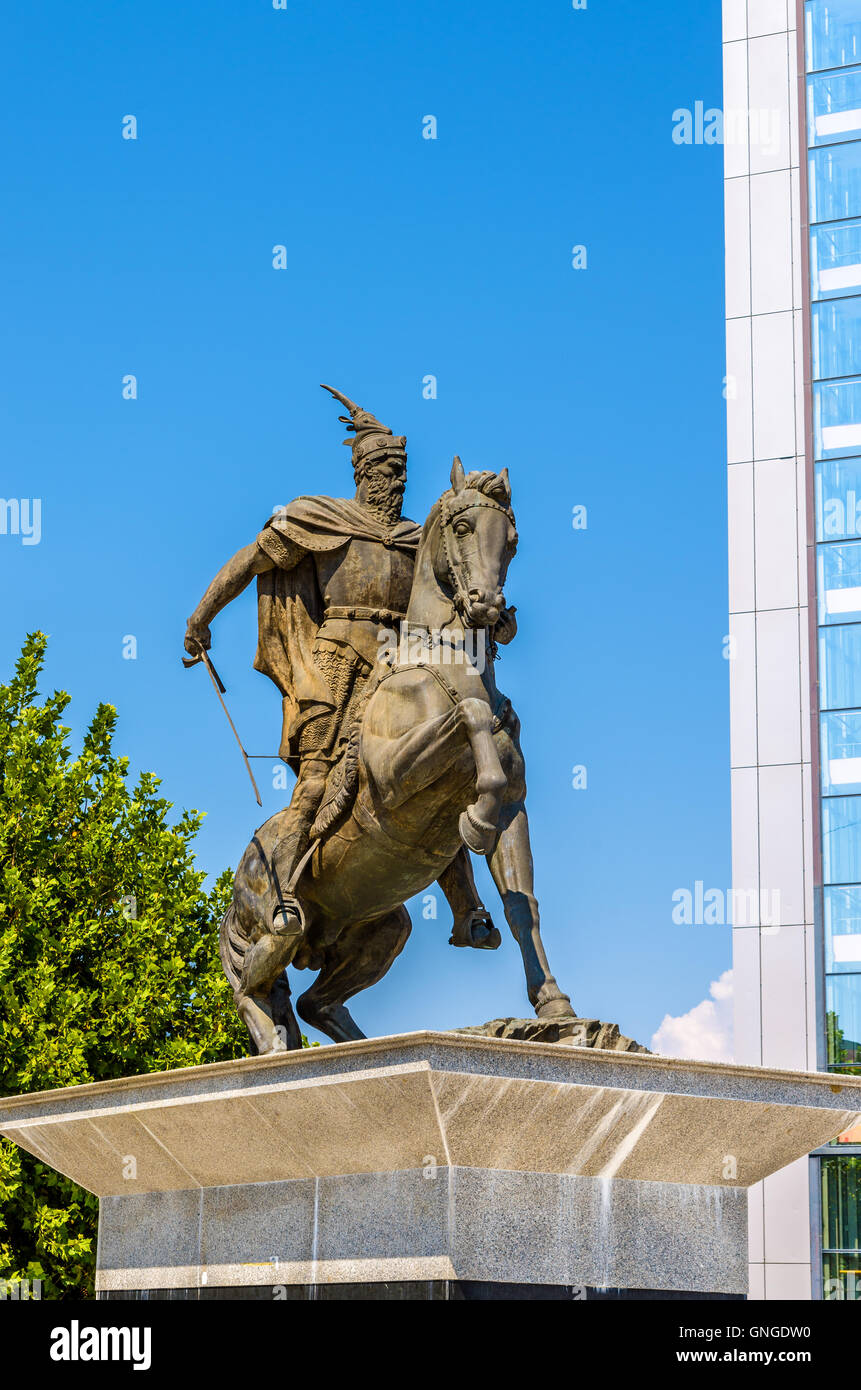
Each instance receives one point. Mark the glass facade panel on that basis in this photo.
(843, 1021)
(842, 916)
(837, 418)
(834, 107)
(840, 666)
(840, 743)
(838, 499)
(841, 839)
(839, 582)
(842, 1277)
(835, 260)
(833, 34)
(836, 334)
(834, 174)
(841, 1227)
(841, 1203)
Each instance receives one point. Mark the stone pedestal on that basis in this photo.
(430, 1166)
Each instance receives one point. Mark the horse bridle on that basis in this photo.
(458, 569)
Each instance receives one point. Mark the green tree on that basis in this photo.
(108, 952)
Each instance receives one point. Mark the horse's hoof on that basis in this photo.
(476, 929)
(475, 835)
(559, 1008)
(267, 1036)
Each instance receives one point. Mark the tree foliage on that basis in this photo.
(108, 951)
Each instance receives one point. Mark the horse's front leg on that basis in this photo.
(511, 866)
(473, 925)
(405, 765)
(479, 823)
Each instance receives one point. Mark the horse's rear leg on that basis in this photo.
(258, 1004)
(511, 866)
(473, 925)
(359, 957)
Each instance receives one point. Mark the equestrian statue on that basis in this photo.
(381, 637)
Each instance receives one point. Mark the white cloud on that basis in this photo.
(705, 1032)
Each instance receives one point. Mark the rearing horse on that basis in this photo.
(435, 764)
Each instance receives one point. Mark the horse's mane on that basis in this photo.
(493, 485)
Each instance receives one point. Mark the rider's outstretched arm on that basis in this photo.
(231, 579)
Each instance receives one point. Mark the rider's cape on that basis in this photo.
(290, 605)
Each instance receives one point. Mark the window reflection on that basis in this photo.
(834, 108)
(835, 182)
(840, 736)
(840, 666)
(838, 499)
(835, 260)
(841, 1227)
(841, 1276)
(839, 582)
(837, 418)
(837, 338)
(842, 917)
(841, 839)
(833, 33)
(843, 1020)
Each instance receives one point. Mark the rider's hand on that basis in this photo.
(506, 626)
(197, 636)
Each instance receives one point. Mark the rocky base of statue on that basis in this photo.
(573, 1032)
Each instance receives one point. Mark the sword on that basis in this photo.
(221, 691)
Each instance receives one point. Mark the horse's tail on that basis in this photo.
(231, 947)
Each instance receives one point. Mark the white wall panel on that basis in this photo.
(740, 511)
(768, 101)
(747, 1012)
(780, 854)
(739, 392)
(773, 376)
(742, 687)
(735, 149)
(744, 785)
(770, 242)
(784, 1011)
(778, 695)
(786, 1197)
(776, 523)
(737, 233)
(765, 16)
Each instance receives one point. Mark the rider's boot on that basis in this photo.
(287, 851)
(288, 913)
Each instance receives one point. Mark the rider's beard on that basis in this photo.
(384, 496)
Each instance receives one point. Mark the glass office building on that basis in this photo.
(792, 107)
(832, 53)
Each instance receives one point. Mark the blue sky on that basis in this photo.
(405, 257)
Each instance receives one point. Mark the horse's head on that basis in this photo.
(478, 537)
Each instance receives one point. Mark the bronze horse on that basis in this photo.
(434, 765)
